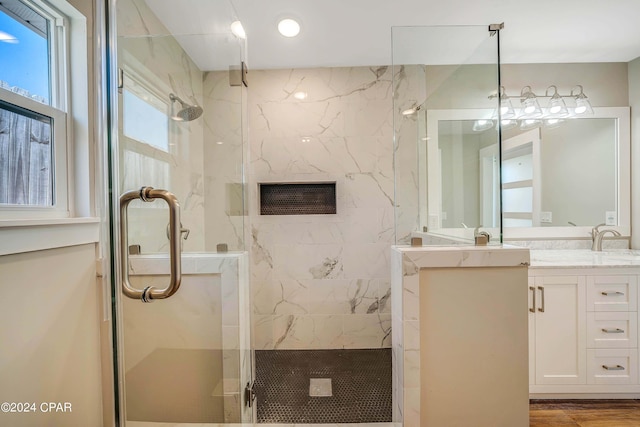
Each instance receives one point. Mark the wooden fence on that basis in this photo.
(26, 165)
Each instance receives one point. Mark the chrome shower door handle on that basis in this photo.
(148, 294)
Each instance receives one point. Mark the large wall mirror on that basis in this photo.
(558, 180)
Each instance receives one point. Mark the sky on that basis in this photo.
(23, 62)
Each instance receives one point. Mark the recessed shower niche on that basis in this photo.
(302, 198)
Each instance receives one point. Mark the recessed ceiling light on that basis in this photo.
(238, 30)
(289, 27)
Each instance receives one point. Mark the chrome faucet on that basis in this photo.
(481, 238)
(597, 235)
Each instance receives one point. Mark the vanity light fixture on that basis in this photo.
(583, 106)
(238, 30)
(531, 107)
(557, 106)
(506, 107)
(289, 27)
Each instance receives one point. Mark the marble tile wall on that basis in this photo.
(322, 281)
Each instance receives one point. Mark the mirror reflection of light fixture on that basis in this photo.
(552, 123)
(583, 106)
(508, 124)
(530, 106)
(481, 125)
(527, 124)
(557, 107)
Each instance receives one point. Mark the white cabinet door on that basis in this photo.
(560, 330)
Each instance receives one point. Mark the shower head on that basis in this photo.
(187, 112)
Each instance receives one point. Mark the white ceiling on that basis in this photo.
(358, 32)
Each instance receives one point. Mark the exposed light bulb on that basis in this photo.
(580, 109)
(555, 109)
(289, 27)
(529, 109)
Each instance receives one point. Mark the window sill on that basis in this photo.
(17, 236)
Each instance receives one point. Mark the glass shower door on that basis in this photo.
(181, 287)
(447, 138)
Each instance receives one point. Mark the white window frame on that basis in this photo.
(57, 109)
(134, 79)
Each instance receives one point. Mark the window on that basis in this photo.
(33, 111)
(145, 138)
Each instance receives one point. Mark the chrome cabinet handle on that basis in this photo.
(148, 294)
(613, 368)
(613, 331)
(612, 293)
(541, 309)
(533, 294)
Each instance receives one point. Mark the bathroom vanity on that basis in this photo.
(460, 336)
(583, 324)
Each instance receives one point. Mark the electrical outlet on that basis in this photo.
(611, 218)
(434, 222)
(546, 217)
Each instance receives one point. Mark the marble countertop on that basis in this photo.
(584, 258)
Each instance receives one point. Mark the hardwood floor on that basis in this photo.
(584, 413)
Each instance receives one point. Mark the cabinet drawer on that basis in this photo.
(612, 329)
(617, 366)
(612, 293)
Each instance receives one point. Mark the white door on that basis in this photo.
(521, 180)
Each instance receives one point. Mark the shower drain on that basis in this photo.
(320, 387)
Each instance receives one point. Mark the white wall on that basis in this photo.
(50, 311)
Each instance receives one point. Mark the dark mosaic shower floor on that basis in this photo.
(361, 383)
